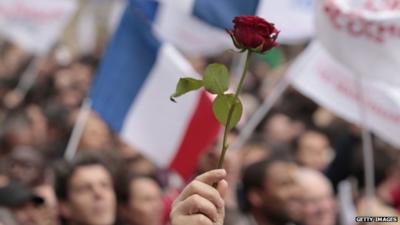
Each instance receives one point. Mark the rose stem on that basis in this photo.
(227, 129)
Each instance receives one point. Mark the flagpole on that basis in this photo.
(259, 115)
(368, 154)
(77, 131)
(347, 209)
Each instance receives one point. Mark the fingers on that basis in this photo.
(212, 176)
(195, 204)
(198, 219)
(199, 202)
(204, 190)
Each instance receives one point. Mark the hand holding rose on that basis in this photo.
(200, 203)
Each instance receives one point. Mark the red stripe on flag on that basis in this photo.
(200, 134)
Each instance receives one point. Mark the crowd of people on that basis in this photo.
(302, 165)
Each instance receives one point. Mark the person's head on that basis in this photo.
(140, 200)
(280, 129)
(16, 130)
(59, 122)
(70, 83)
(26, 165)
(23, 205)
(313, 150)
(26, 214)
(96, 135)
(319, 207)
(85, 191)
(255, 150)
(138, 164)
(270, 189)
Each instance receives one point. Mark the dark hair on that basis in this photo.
(256, 140)
(297, 106)
(65, 170)
(254, 177)
(296, 141)
(124, 182)
(14, 121)
(88, 60)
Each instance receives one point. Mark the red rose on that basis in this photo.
(253, 33)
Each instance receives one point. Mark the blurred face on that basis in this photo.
(314, 151)
(91, 197)
(95, 135)
(318, 206)
(142, 166)
(281, 192)
(253, 154)
(82, 76)
(22, 135)
(30, 214)
(25, 166)
(281, 129)
(69, 89)
(145, 206)
(26, 214)
(278, 129)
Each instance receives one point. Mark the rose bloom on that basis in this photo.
(253, 33)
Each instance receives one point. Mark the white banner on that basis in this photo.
(364, 35)
(317, 75)
(35, 25)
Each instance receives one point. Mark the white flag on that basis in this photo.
(317, 75)
(35, 25)
(364, 35)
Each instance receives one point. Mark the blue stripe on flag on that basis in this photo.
(128, 60)
(147, 7)
(220, 13)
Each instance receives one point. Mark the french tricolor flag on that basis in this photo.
(132, 89)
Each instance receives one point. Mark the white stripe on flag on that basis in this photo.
(185, 5)
(153, 112)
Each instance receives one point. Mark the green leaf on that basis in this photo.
(216, 78)
(185, 85)
(221, 106)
